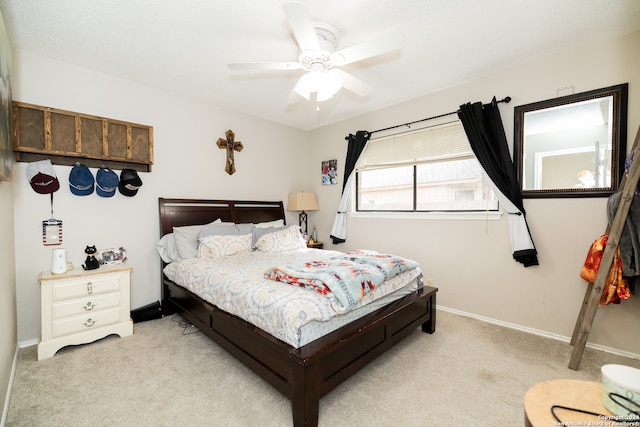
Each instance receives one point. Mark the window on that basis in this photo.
(427, 170)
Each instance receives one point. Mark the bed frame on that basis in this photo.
(303, 374)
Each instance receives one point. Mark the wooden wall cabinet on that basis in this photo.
(66, 137)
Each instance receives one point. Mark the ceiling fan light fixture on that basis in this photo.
(324, 83)
(317, 42)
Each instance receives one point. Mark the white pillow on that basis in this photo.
(187, 239)
(288, 239)
(168, 249)
(224, 245)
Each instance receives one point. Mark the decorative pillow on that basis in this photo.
(225, 229)
(217, 246)
(258, 232)
(284, 240)
(275, 223)
(187, 239)
(168, 249)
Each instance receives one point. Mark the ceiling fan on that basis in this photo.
(317, 43)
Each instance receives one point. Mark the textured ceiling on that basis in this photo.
(185, 45)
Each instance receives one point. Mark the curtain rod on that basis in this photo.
(506, 100)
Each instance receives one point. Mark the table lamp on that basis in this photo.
(302, 202)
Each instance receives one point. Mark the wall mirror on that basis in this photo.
(572, 146)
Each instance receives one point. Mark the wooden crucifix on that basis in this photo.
(230, 145)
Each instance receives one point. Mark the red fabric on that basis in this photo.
(616, 287)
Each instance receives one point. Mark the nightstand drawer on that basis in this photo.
(86, 305)
(86, 286)
(95, 320)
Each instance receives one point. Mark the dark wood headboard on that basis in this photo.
(181, 212)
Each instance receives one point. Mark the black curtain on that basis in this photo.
(356, 144)
(355, 147)
(484, 129)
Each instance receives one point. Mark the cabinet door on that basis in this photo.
(66, 137)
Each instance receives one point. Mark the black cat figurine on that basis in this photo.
(91, 263)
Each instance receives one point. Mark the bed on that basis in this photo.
(305, 372)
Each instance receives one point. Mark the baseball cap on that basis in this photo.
(106, 182)
(129, 182)
(81, 180)
(42, 177)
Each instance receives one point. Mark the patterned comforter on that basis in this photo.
(236, 284)
(345, 279)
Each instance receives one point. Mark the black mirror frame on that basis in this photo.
(619, 143)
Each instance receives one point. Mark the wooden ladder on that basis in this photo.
(594, 290)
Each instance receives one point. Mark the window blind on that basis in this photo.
(435, 143)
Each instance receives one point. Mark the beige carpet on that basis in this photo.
(469, 373)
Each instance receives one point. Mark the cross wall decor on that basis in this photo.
(230, 145)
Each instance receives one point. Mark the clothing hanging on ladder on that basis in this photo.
(615, 287)
(629, 244)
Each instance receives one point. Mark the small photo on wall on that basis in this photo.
(329, 172)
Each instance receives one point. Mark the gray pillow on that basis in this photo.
(225, 229)
(258, 232)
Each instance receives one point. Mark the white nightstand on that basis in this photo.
(79, 307)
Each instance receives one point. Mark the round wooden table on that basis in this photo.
(578, 394)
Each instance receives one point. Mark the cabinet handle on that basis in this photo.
(89, 323)
(88, 306)
(89, 288)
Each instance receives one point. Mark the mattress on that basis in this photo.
(295, 315)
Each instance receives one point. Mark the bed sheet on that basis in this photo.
(236, 284)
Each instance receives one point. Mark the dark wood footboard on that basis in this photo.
(307, 373)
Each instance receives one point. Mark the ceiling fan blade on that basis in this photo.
(368, 49)
(351, 83)
(293, 98)
(301, 25)
(264, 65)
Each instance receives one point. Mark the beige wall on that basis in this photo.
(8, 319)
(187, 164)
(8, 310)
(470, 261)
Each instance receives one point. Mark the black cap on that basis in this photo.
(129, 182)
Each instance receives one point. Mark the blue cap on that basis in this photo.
(106, 182)
(81, 180)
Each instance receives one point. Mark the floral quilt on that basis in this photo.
(346, 278)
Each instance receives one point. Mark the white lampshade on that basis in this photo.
(324, 83)
(302, 201)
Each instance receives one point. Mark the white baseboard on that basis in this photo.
(28, 343)
(5, 410)
(537, 332)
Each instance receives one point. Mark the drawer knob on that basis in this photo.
(89, 306)
(89, 288)
(89, 323)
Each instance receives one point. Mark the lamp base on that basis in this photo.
(303, 220)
